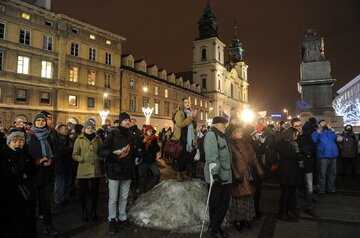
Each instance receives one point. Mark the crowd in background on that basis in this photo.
(40, 161)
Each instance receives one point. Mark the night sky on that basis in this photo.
(162, 31)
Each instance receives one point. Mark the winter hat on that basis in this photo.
(78, 128)
(148, 127)
(217, 120)
(40, 115)
(123, 116)
(46, 113)
(116, 121)
(259, 127)
(88, 123)
(321, 120)
(14, 134)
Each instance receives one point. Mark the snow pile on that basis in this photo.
(172, 206)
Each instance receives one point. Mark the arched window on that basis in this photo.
(203, 54)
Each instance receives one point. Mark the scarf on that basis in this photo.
(149, 139)
(190, 133)
(42, 134)
(90, 136)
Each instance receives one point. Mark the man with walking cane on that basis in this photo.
(217, 152)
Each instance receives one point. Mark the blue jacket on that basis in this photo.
(325, 144)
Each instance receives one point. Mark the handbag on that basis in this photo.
(173, 149)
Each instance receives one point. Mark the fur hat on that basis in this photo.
(123, 116)
(14, 134)
(217, 120)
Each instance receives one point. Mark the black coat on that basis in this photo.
(17, 215)
(64, 162)
(289, 172)
(149, 154)
(308, 149)
(117, 169)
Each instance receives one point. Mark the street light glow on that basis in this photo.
(247, 115)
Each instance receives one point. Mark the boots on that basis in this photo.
(180, 176)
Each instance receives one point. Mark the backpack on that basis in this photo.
(201, 146)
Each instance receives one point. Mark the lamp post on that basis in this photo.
(147, 112)
(287, 112)
(103, 113)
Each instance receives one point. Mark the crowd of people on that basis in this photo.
(39, 159)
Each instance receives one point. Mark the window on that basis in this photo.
(74, 30)
(24, 37)
(1, 60)
(23, 65)
(175, 96)
(132, 84)
(25, 16)
(74, 49)
(108, 58)
(195, 101)
(200, 103)
(21, 95)
(74, 74)
(204, 83)
(203, 54)
(92, 54)
(107, 81)
(206, 104)
(132, 106)
(145, 102)
(72, 100)
(91, 77)
(2, 30)
(106, 104)
(46, 69)
(48, 43)
(48, 23)
(167, 109)
(93, 37)
(219, 85)
(201, 115)
(45, 97)
(157, 108)
(166, 93)
(156, 90)
(91, 102)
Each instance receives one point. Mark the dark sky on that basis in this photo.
(162, 31)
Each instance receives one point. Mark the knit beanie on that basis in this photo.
(14, 134)
(88, 123)
(123, 116)
(148, 127)
(40, 115)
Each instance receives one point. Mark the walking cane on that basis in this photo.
(211, 166)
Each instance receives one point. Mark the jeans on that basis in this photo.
(308, 190)
(147, 182)
(327, 175)
(118, 191)
(62, 187)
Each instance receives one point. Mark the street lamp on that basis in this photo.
(103, 113)
(147, 112)
(287, 112)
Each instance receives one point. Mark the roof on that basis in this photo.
(187, 76)
(349, 84)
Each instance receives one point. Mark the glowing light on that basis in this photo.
(103, 115)
(147, 112)
(247, 115)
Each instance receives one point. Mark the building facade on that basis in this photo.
(55, 63)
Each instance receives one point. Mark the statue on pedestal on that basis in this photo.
(312, 47)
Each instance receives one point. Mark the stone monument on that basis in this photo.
(315, 79)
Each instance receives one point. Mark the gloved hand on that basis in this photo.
(217, 180)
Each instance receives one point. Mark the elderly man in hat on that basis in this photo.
(217, 152)
(119, 165)
(327, 153)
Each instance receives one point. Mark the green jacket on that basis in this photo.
(85, 152)
(217, 151)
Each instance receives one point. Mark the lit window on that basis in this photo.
(91, 77)
(45, 97)
(48, 43)
(92, 37)
(200, 103)
(156, 90)
(2, 30)
(25, 16)
(195, 101)
(21, 95)
(201, 116)
(46, 69)
(72, 100)
(23, 65)
(92, 54)
(166, 93)
(24, 37)
(107, 81)
(108, 42)
(157, 108)
(74, 74)
(108, 58)
(74, 49)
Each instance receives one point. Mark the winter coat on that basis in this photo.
(117, 169)
(18, 215)
(180, 126)
(135, 141)
(308, 149)
(271, 155)
(149, 155)
(243, 155)
(325, 144)
(85, 152)
(349, 145)
(217, 151)
(64, 162)
(289, 171)
(45, 174)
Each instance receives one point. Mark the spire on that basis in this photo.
(235, 48)
(208, 26)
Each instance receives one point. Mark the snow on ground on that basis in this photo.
(172, 206)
